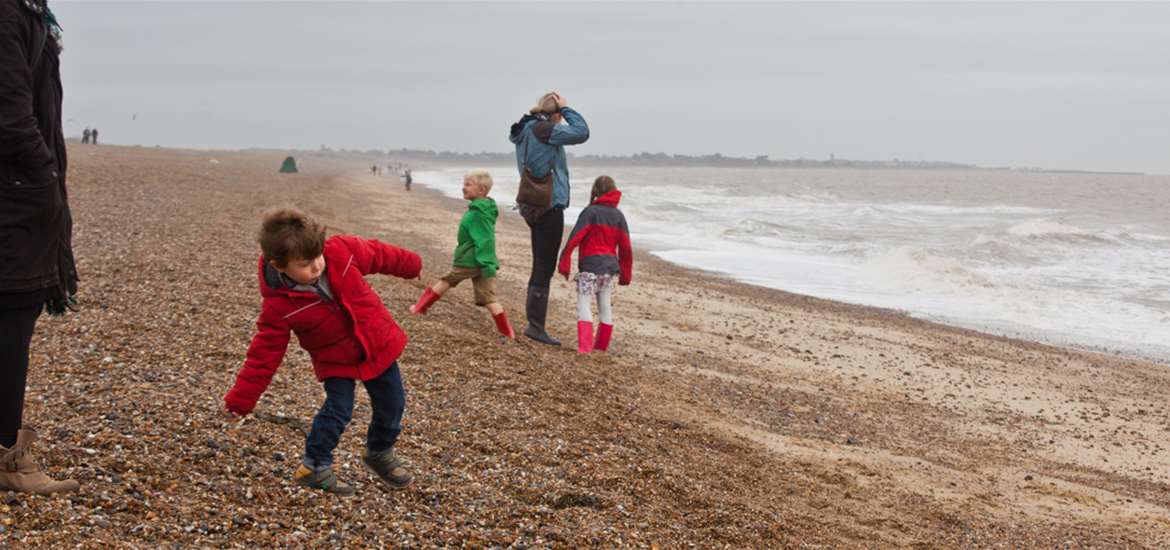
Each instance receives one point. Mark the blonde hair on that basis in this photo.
(547, 104)
(601, 186)
(481, 178)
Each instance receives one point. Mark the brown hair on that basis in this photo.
(288, 234)
(601, 186)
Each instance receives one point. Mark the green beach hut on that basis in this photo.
(289, 166)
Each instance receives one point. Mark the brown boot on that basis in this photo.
(388, 467)
(19, 471)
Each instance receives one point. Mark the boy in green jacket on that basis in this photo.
(475, 255)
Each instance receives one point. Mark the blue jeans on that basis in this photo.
(388, 400)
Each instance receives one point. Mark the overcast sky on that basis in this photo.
(1061, 86)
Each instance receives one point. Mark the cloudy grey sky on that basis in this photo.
(1082, 86)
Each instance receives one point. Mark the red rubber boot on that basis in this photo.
(428, 298)
(504, 326)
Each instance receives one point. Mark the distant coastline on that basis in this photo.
(419, 156)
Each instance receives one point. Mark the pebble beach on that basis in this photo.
(726, 415)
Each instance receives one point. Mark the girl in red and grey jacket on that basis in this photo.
(604, 239)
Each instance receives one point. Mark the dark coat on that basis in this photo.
(35, 223)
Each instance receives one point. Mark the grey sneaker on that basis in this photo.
(324, 480)
(388, 467)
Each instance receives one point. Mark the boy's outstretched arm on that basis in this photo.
(264, 357)
(372, 256)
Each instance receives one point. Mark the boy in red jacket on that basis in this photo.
(314, 287)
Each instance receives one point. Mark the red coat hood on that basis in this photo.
(610, 199)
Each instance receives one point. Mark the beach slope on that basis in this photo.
(726, 415)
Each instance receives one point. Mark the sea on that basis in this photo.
(1073, 259)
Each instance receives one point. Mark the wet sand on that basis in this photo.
(726, 415)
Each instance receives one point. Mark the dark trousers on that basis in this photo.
(16, 330)
(547, 233)
(388, 400)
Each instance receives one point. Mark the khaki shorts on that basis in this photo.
(485, 287)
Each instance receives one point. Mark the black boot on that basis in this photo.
(537, 308)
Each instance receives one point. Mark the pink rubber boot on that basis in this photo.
(584, 336)
(604, 335)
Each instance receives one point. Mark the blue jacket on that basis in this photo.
(546, 142)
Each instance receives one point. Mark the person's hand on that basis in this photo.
(232, 420)
(561, 101)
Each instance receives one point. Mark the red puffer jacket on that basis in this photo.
(351, 337)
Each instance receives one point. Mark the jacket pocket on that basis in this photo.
(19, 179)
(32, 226)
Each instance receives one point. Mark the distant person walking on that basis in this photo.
(85, 136)
(93, 136)
(540, 137)
(409, 179)
(36, 260)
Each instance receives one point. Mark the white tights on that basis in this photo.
(604, 311)
(600, 286)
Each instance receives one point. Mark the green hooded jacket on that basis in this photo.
(477, 237)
